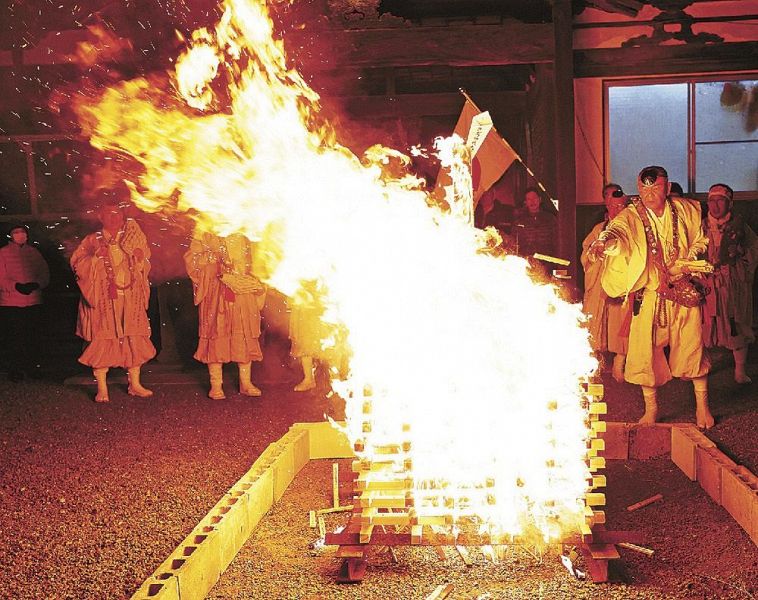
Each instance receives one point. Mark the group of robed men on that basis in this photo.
(663, 282)
(112, 267)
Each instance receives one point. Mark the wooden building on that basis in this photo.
(587, 91)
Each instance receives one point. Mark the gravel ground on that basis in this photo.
(734, 406)
(94, 497)
(700, 552)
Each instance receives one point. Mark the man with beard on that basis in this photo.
(648, 253)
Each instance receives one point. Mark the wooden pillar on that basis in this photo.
(565, 160)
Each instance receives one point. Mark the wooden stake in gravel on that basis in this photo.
(644, 503)
(636, 548)
(464, 555)
(440, 592)
(336, 509)
(489, 552)
(335, 485)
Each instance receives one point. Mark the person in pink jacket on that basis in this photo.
(23, 276)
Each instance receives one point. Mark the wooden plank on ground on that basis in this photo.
(465, 556)
(441, 591)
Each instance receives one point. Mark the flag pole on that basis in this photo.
(516, 154)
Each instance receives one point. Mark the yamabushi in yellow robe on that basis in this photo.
(627, 269)
(115, 292)
(229, 319)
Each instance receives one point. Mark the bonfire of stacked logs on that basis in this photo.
(385, 515)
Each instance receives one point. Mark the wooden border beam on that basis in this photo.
(423, 105)
(511, 42)
(665, 60)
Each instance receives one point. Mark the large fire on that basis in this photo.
(471, 370)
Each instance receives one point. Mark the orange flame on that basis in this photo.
(462, 357)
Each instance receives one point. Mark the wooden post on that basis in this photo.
(169, 354)
(565, 159)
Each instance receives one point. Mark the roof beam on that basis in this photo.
(511, 42)
(665, 60)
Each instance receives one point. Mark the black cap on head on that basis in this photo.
(612, 186)
(649, 175)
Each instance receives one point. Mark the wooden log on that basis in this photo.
(489, 552)
(662, 60)
(441, 591)
(385, 502)
(604, 551)
(597, 567)
(387, 519)
(365, 534)
(509, 42)
(585, 532)
(352, 570)
(336, 509)
(363, 483)
(335, 485)
(407, 106)
(465, 556)
(417, 533)
(352, 551)
(598, 481)
(644, 503)
(636, 548)
(614, 537)
(434, 519)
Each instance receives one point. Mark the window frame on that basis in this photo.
(26, 144)
(690, 80)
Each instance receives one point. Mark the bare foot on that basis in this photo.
(102, 398)
(649, 418)
(704, 420)
(139, 391)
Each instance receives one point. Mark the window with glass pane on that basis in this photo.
(726, 134)
(647, 126)
(14, 181)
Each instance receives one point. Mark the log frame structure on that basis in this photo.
(385, 513)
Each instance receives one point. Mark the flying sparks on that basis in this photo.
(458, 352)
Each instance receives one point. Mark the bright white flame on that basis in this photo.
(458, 352)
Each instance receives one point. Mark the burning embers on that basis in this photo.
(463, 390)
